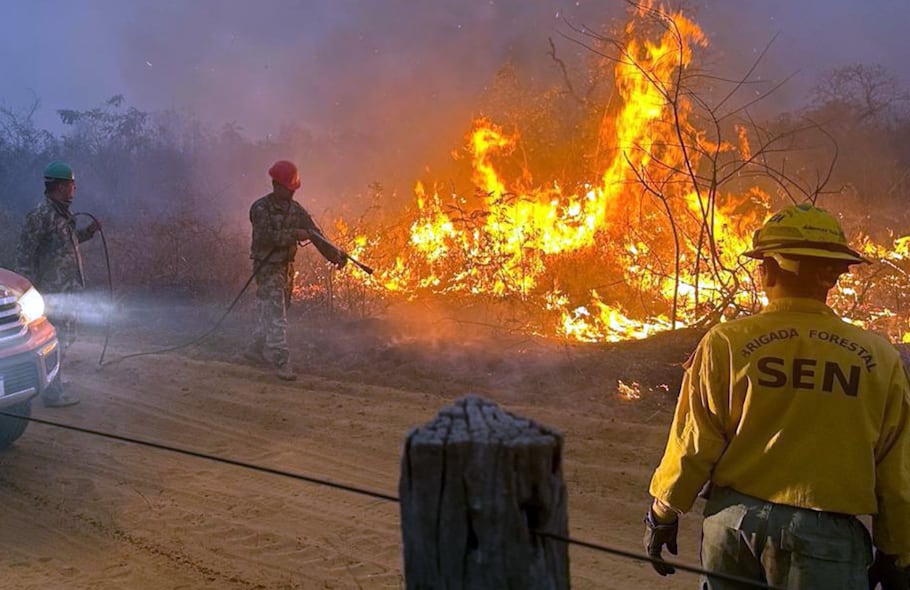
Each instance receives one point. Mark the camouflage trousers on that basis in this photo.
(783, 546)
(273, 295)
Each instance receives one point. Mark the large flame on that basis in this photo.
(636, 249)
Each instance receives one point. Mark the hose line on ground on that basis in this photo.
(200, 338)
(230, 308)
(110, 289)
(197, 340)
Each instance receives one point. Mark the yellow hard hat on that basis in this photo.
(803, 231)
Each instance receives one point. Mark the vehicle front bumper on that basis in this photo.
(30, 365)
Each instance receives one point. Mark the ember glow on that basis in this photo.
(641, 246)
(629, 392)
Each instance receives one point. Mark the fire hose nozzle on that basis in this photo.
(324, 241)
(361, 266)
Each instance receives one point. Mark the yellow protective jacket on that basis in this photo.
(796, 407)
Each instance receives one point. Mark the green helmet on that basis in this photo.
(58, 170)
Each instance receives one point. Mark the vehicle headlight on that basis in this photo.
(31, 305)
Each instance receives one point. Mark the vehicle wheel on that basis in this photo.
(12, 428)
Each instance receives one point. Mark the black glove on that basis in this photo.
(341, 260)
(886, 572)
(656, 536)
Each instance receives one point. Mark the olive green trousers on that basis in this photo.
(783, 546)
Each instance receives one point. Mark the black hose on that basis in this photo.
(110, 289)
(110, 286)
(259, 265)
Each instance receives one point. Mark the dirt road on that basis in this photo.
(84, 512)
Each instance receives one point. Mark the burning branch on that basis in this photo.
(668, 209)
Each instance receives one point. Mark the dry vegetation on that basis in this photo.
(174, 197)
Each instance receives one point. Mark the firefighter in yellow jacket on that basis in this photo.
(799, 422)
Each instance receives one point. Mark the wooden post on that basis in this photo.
(474, 483)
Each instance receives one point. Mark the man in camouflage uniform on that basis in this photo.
(48, 255)
(279, 222)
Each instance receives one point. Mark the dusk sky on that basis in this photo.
(405, 76)
(322, 62)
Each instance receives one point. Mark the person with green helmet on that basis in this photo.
(48, 255)
(791, 423)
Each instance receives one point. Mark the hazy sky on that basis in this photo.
(375, 67)
(258, 63)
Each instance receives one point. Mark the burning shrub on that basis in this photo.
(650, 242)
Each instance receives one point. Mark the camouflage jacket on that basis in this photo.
(275, 231)
(48, 253)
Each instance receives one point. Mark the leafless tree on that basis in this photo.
(862, 92)
(710, 146)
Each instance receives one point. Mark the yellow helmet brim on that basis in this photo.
(846, 254)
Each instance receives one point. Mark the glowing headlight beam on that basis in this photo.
(31, 305)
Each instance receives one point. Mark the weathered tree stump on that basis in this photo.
(475, 482)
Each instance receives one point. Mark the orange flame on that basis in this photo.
(666, 252)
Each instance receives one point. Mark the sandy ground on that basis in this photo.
(81, 511)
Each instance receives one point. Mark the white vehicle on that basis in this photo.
(29, 355)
